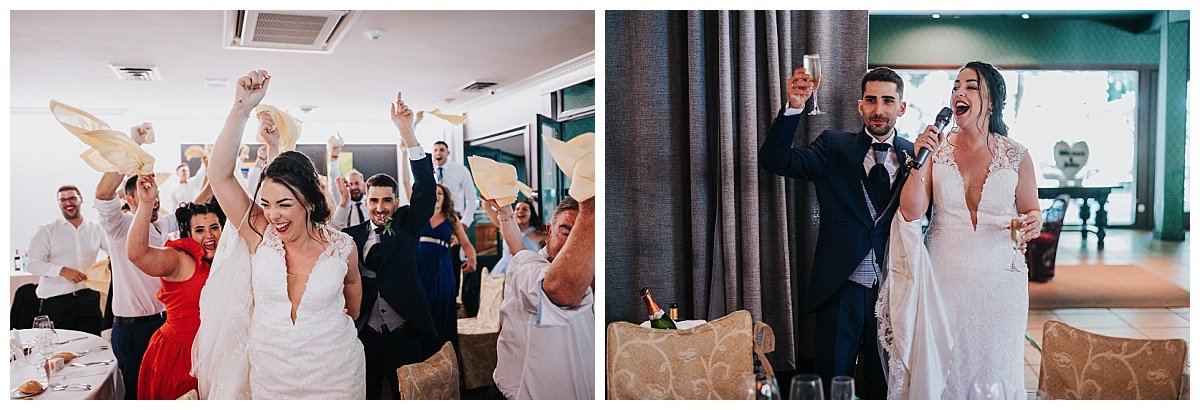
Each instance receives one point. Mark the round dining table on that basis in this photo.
(89, 369)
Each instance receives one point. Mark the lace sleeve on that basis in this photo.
(340, 244)
(1009, 153)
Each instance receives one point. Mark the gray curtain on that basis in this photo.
(689, 96)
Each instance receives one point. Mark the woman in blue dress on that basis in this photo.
(439, 269)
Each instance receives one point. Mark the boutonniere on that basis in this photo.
(387, 227)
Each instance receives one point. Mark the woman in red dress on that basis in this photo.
(183, 268)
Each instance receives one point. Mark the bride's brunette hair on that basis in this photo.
(993, 83)
(296, 171)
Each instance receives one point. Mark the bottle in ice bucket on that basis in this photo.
(658, 318)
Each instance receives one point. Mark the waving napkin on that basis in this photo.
(112, 151)
(577, 159)
(497, 181)
(289, 127)
(453, 119)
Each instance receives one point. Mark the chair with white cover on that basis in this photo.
(477, 335)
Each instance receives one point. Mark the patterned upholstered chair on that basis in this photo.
(477, 335)
(1042, 251)
(1077, 364)
(710, 361)
(434, 379)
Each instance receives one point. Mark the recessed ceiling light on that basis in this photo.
(216, 82)
(936, 16)
(1025, 16)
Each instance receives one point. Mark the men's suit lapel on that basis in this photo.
(858, 152)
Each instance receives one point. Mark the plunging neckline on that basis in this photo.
(963, 180)
(295, 308)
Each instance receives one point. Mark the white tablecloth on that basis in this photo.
(105, 379)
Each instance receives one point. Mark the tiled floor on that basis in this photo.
(1168, 260)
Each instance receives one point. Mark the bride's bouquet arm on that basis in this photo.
(233, 198)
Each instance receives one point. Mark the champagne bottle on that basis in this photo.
(658, 318)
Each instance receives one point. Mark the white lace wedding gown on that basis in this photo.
(954, 316)
(318, 357)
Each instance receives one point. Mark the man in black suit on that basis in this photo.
(395, 325)
(857, 178)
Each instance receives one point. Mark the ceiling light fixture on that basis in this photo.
(936, 16)
(1025, 16)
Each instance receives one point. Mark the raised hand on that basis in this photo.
(799, 88)
(267, 129)
(402, 116)
(142, 134)
(420, 117)
(252, 88)
(147, 190)
(343, 187)
(243, 153)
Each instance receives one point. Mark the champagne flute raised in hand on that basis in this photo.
(812, 65)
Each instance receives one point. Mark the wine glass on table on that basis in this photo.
(842, 388)
(807, 387)
(812, 65)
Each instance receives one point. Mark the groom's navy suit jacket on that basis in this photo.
(398, 281)
(834, 164)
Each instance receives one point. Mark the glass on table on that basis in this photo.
(842, 388)
(44, 322)
(807, 387)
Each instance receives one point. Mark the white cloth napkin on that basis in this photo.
(577, 159)
(111, 150)
(497, 181)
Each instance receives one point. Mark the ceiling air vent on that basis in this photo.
(315, 31)
(136, 73)
(477, 86)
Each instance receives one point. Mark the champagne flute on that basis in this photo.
(1015, 232)
(807, 387)
(842, 389)
(812, 65)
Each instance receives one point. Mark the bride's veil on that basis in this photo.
(220, 360)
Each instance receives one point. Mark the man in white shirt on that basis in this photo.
(137, 312)
(546, 347)
(188, 187)
(59, 252)
(350, 209)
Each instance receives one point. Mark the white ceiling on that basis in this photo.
(64, 55)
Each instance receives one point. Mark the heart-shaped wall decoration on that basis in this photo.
(1070, 158)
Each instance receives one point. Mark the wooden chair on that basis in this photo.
(1077, 364)
(1041, 252)
(477, 335)
(434, 379)
(710, 361)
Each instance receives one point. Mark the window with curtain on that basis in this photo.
(1046, 106)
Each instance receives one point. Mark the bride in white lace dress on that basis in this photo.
(278, 320)
(954, 307)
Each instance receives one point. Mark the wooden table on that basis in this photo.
(1099, 194)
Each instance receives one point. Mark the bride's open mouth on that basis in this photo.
(961, 108)
(283, 227)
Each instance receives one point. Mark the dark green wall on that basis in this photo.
(1007, 42)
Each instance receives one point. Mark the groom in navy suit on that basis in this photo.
(394, 324)
(857, 178)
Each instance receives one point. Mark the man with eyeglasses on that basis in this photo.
(59, 252)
